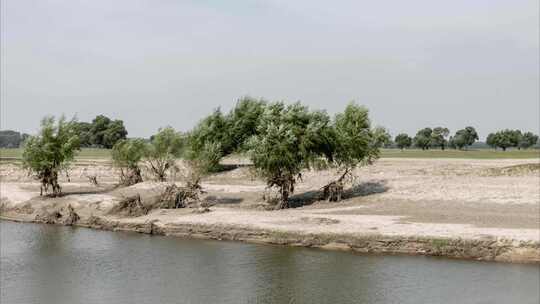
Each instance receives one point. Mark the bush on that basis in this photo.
(51, 151)
(127, 155)
(161, 154)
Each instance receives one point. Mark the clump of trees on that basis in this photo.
(437, 137)
(12, 139)
(403, 141)
(51, 151)
(505, 139)
(102, 132)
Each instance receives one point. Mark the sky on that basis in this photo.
(155, 63)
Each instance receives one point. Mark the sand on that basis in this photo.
(410, 201)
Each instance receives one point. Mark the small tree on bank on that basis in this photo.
(161, 154)
(51, 151)
(403, 141)
(288, 140)
(354, 144)
(438, 137)
(127, 155)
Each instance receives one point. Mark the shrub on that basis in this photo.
(51, 151)
(127, 155)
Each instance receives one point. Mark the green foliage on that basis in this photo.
(289, 138)
(161, 153)
(422, 139)
(528, 140)
(438, 137)
(403, 141)
(102, 132)
(464, 138)
(242, 122)
(51, 151)
(355, 141)
(382, 137)
(212, 129)
(511, 138)
(127, 155)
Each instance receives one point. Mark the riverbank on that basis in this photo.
(482, 209)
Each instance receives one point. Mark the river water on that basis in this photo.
(54, 264)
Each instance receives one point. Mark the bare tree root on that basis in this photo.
(131, 206)
(49, 178)
(174, 197)
(71, 217)
(130, 176)
(333, 191)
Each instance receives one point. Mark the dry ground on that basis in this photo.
(441, 198)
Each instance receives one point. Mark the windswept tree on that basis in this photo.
(438, 137)
(162, 151)
(354, 143)
(212, 130)
(51, 151)
(403, 141)
(127, 155)
(242, 121)
(464, 138)
(422, 139)
(289, 139)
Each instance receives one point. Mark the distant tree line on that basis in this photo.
(11, 139)
(438, 137)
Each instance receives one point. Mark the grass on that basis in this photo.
(470, 154)
(83, 154)
(385, 153)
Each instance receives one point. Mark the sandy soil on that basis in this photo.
(399, 198)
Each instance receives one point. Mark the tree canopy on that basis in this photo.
(51, 151)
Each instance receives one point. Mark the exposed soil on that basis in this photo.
(481, 209)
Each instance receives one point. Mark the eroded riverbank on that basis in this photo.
(452, 208)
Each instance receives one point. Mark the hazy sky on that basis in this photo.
(162, 62)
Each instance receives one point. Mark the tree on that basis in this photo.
(114, 132)
(84, 130)
(528, 140)
(382, 136)
(127, 155)
(464, 138)
(288, 140)
(438, 137)
(161, 154)
(212, 129)
(106, 132)
(354, 143)
(509, 138)
(491, 140)
(242, 121)
(422, 139)
(51, 151)
(403, 141)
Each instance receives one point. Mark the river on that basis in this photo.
(55, 264)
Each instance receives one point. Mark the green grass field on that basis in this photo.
(471, 154)
(386, 153)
